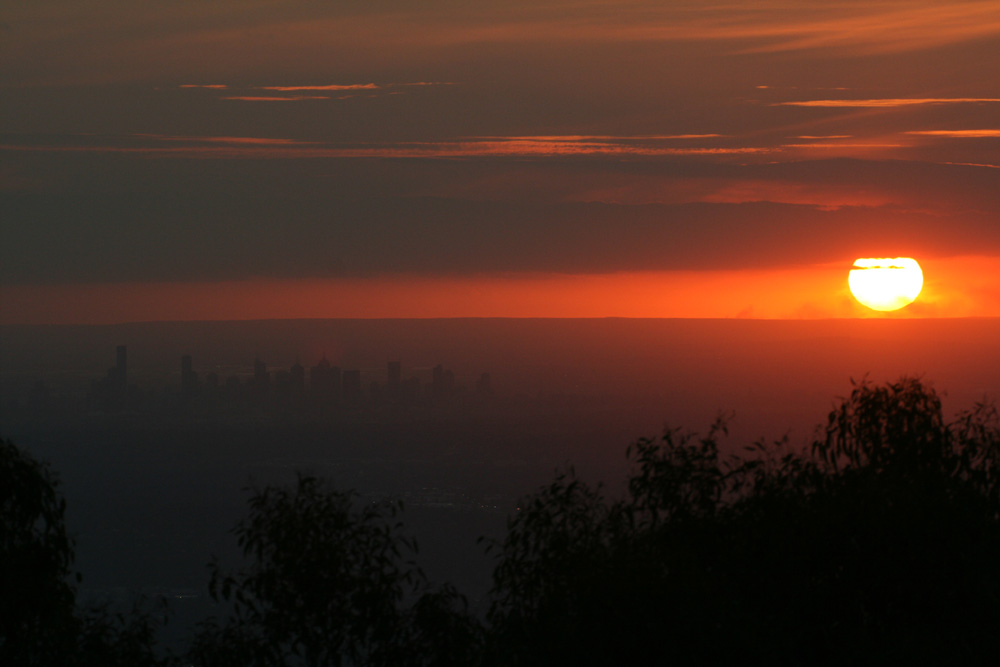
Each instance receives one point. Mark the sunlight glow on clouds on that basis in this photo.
(234, 147)
(293, 98)
(528, 135)
(332, 86)
(959, 134)
(897, 102)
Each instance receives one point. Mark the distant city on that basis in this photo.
(323, 390)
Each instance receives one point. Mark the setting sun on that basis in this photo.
(886, 284)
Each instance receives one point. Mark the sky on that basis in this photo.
(260, 159)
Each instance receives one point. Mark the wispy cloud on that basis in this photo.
(558, 146)
(332, 86)
(237, 141)
(425, 83)
(374, 89)
(889, 102)
(843, 145)
(291, 98)
(576, 138)
(959, 134)
(974, 164)
(760, 27)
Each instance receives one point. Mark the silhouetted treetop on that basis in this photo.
(40, 623)
(329, 580)
(879, 543)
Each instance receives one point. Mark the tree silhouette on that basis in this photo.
(327, 583)
(39, 621)
(879, 544)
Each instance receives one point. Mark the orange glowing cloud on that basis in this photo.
(509, 147)
(883, 103)
(238, 141)
(958, 134)
(292, 98)
(353, 86)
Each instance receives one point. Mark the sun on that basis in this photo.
(886, 284)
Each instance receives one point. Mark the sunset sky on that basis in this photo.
(254, 159)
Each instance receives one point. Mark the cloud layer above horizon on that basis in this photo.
(259, 140)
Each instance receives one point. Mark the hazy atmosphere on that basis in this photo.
(498, 268)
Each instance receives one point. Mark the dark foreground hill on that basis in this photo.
(876, 545)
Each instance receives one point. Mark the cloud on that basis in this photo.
(842, 145)
(425, 83)
(870, 28)
(599, 137)
(332, 86)
(213, 86)
(237, 141)
(959, 134)
(293, 98)
(974, 164)
(891, 102)
(764, 27)
(557, 146)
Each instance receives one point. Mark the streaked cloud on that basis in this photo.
(890, 102)
(842, 145)
(291, 98)
(974, 164)
(212, 86)
(959, 134)
(238, 141)
(601, 137)
(257, 148)
(332, 86)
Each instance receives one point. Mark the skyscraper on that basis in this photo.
(189, 379)
(395, 377)
(121, 370)
(352, 386)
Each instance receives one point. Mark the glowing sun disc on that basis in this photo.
(886, 284)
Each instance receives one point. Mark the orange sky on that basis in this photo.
(290, 158)
(960, 287)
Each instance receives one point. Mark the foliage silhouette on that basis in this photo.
(39, 621)
(878, 544)
(327, 583)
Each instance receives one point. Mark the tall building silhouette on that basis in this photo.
(484, 386)
(260, 374)
(297, 378)
(442, 382)
(189, 379)
(121, 368)
(111, 392)
(324, 379)
(352, 386)
(395, 379)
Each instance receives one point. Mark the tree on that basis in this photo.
(879, 543)
(37, 600)
(327, 583)
(40, 623)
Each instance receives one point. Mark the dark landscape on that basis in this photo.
(155, 485)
